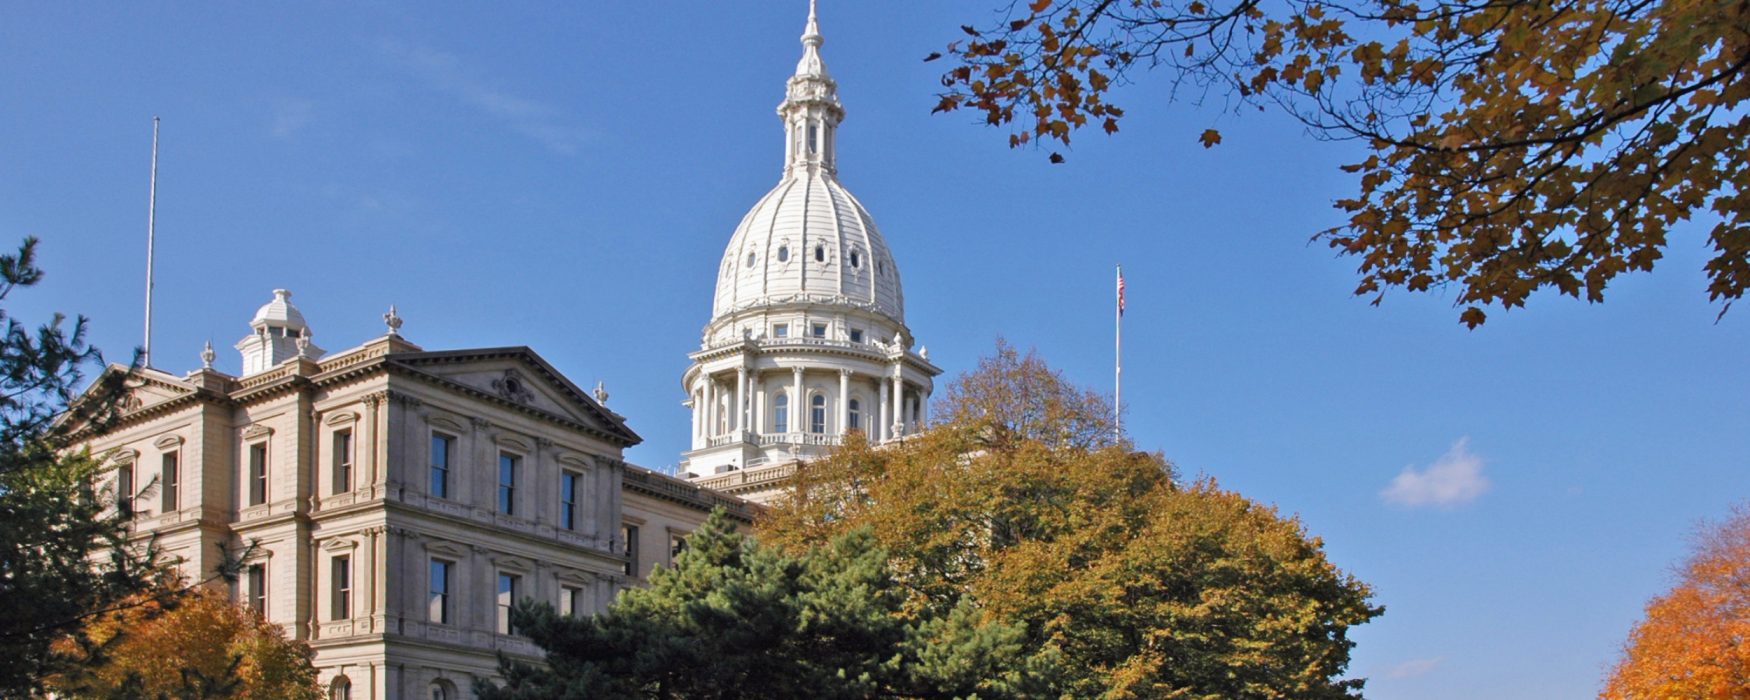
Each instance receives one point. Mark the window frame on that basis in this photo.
(342, 460)
(255, 591)
(781, 413)
(438, 475)
(440, 574)
(170, 481)
(258, 473)
(340, 587)
(509, 463)
(568, 481)
(817, 414)
(505, 597)
(629, 533)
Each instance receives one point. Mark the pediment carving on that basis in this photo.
(447, 422)
(448, 549)
(340, 543)
(168, 442)
(341, 418)
(256, 432)
(513, 387)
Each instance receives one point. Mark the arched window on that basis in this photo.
(750, 259)
(781, 414)
(820, 253)
(856, 415)
(856, 258)
(783, 253)
(817, 414)
(340, 689)
(443, 690)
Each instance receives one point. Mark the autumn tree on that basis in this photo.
(1695, 640)
(187, 644)
(1024, 504)
(1511, 146)
(63, 539)
(736, 619)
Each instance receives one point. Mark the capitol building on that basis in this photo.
(390, 502)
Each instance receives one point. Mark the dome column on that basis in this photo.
(880, 432)
(710, 408)
(740, 400)
(844, 401)
(923, 408)
(759, 403)
(798, 406)
(898, 403)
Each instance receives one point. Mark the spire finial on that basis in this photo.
(811, 34)
(207, 356)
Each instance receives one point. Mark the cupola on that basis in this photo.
(278, 333)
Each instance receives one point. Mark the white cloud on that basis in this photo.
(446, 73)
(1454, 479)
(1413, 667)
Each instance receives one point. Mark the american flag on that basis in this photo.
(1120, 291)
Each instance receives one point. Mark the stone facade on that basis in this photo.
(383, 500)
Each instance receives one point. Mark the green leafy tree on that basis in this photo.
(1128, 583)
(735, 619)
(63, 541)
(1513, 146)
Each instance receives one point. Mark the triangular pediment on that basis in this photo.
(519, 377)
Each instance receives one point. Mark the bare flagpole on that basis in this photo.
(1118, 360)
(151, 230)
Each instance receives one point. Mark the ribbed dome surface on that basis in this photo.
(808, 240)
(279, 313)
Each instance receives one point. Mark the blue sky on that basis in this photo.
(565, 176)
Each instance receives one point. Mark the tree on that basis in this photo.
(1126, 582)
(1695, 640)
(188, 644)
(737, 619)
(63, 541)
(1514, 146)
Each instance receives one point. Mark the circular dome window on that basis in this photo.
(750, 259)
(784, 253)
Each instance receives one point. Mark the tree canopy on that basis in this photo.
(1695, 640)
(1126, 582)
(735, 619)
(1512, 147)
(188, 645)
(63, 553)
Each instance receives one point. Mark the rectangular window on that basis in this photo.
(258, 473)
(819, 330)
(677, 543)
(630, 534)
(256, 580)
(570, 600)
(170, 481)
(441, 446)
(568, 500)
(124, 487)
(438, 602)
(342, 461)
(780, 330)
(507, 468)
(856, 335)
(507, 595)
(340, 587)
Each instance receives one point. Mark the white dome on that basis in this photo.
(279, 313)
(808, 240)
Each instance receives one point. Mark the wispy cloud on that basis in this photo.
(1454, 479)
(1413, 667)
(289, 115)
(447, 73)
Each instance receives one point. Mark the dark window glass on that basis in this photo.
(630, 534)
(817, 414)
(124, 487)
(438, 602)
(781, 414)
(257, 582)
(856, 415)
(507, 594)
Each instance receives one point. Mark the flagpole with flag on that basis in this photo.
(1118, 360)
